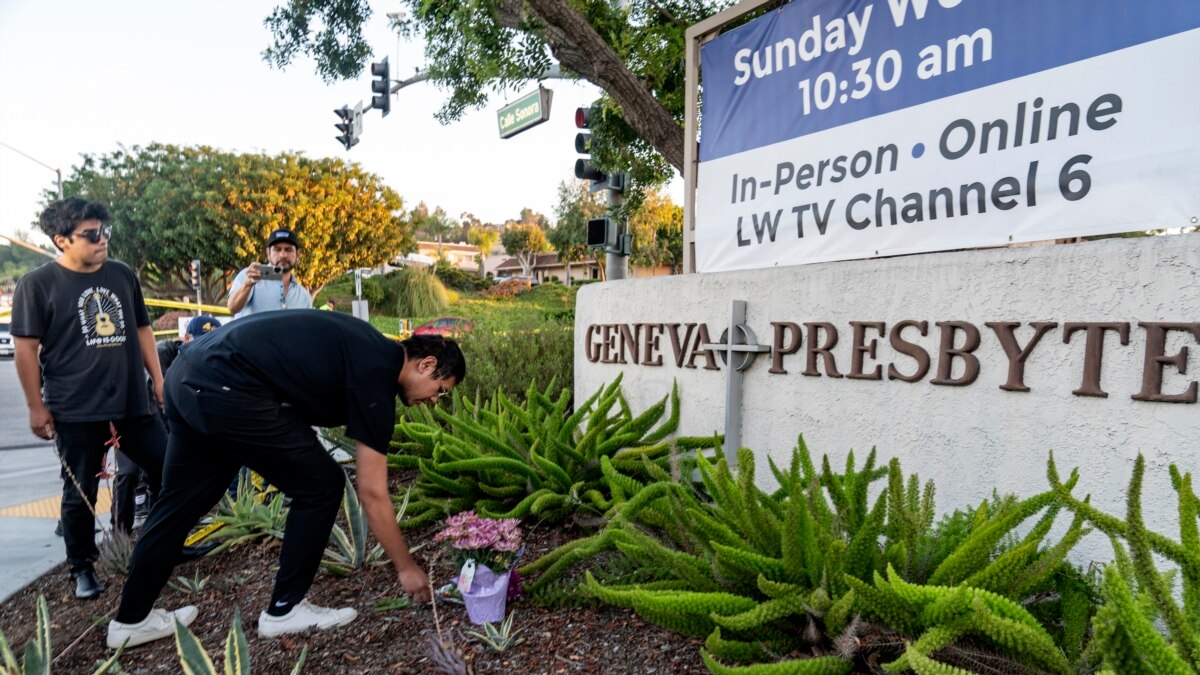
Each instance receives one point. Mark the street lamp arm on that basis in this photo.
(38, 161)
(551, 73)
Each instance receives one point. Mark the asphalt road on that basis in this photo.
(28, 472)
(28, 468)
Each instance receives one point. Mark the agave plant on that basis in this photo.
(189, 586)
(37, 656)
(194, 660)
(250, 515)
(349, 551)
(116, 552)
(499, 637)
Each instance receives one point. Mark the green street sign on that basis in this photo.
(528, 111)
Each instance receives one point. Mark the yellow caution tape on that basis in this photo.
(190, 306)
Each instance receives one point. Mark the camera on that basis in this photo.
(268, 271)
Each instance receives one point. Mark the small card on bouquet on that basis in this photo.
(466, 576)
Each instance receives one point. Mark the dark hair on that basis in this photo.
(62, 217)
(450, 359)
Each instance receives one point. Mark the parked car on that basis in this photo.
(6, 340)
(446, 326)
(527, 282)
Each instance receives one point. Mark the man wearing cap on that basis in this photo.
(169, 349)
(252, 294)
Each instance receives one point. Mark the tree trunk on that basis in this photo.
(578, 47)
(526, 261)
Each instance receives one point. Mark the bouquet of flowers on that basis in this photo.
(488, 541)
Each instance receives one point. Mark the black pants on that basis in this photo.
(215, 431)
(82, 447)
(125, 490)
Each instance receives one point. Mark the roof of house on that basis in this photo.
(447, 246)
(541, 261)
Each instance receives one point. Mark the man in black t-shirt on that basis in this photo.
(83, 346)
(249, 394)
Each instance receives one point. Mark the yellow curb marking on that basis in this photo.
(50, 507)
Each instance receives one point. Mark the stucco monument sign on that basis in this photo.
(840, 136)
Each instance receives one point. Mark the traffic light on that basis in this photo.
(597, 232)
(583, 145)
(195, 269)
(381, 87)
(350, 125)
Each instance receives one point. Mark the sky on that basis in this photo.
(80, 76)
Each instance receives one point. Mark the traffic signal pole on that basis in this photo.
(195, 272)
(616, 259)
(616, 244)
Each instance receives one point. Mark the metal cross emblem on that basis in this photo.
(738, 349)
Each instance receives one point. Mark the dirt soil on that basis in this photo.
(588, 640)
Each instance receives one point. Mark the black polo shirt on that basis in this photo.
(331, 368)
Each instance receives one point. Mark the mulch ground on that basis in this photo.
(576, 640)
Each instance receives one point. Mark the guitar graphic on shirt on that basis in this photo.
(104, 324)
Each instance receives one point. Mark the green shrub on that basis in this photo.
(373, 292)
(509, 356)
(764, 573)
(419, 293)
(458, 278)
(1138, 596)
(510, 460)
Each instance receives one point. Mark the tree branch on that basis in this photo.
(577, 46)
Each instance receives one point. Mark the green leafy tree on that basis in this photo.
(171, 204)
(435, 226)
(634, 51)
(576, 206)
(657, 230)
(484, 238)
(525, 238)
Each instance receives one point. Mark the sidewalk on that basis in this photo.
(28, 546)
(28, 549)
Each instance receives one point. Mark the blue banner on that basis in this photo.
(820, 64)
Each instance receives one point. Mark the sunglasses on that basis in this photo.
(93, 235)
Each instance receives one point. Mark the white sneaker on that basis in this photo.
(157, 625)
(304, 616)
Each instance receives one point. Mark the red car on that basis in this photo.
(447, 326)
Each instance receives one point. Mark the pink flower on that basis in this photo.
(491, 541)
